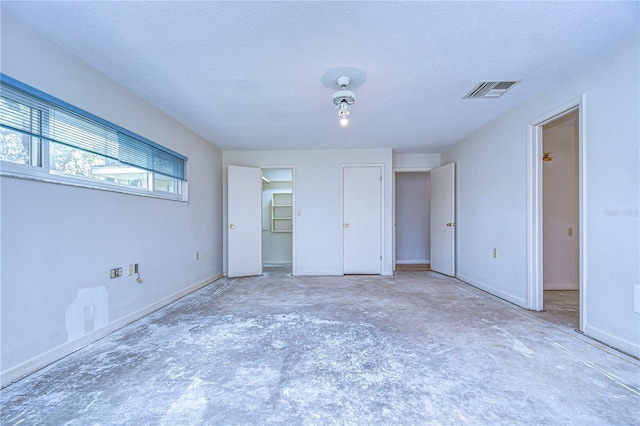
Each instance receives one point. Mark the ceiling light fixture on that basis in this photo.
(343, 99)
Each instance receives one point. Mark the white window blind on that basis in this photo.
(28, 111)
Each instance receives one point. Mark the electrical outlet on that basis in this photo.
(119, 272)
(495, 252)
(570, 232)
(112, 273)
(131, 270)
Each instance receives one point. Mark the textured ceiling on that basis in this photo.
(260, 75)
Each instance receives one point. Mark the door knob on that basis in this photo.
(346, 225)
(231, 226)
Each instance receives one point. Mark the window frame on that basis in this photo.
(40, 168)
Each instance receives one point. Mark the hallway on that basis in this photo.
(561, 308)
(415, 348)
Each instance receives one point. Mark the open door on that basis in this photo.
(362, 214)
(244, 214)
(443, 244)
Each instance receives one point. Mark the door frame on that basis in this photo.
(382, 186)
(534, 204)
(393, 206)
(294, 268)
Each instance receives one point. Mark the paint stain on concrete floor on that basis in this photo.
(418, 348)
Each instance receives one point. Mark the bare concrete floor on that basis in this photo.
(417, 348)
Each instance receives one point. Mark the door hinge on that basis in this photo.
(380, 178)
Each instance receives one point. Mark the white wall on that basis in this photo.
(59, 242)
(317, 193)
(413, 217)
(415, 162)
(560, 206)
(491, 194)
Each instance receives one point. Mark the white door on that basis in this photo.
(244, 216)
(362, 215)
(443, 245)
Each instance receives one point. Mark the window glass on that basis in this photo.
(76, 162)
(165, 184)
(15, 147)
(18, 123)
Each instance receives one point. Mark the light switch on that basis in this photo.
(570, 232)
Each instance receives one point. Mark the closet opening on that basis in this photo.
(412, 221)
(277, 220)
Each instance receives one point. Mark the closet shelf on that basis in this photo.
(282, 212)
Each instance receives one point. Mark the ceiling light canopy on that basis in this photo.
(343, 99)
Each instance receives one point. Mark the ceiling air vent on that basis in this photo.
(489, 89)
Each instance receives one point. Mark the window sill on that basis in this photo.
(38, 175)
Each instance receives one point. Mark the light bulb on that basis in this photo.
(344, 109)
(344, 121)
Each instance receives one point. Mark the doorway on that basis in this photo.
(277, 220)
(555, 215)
(560, 219)
(412, 221)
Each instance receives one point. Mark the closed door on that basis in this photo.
(244, 216)
(443, 224)
(362, 220)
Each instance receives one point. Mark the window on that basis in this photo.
(43, 137)
(20, 126)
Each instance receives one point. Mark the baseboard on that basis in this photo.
(413, 262)
(609, 339)
(40, 361)
(492, 290)
(312, 273)
(561, 287)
